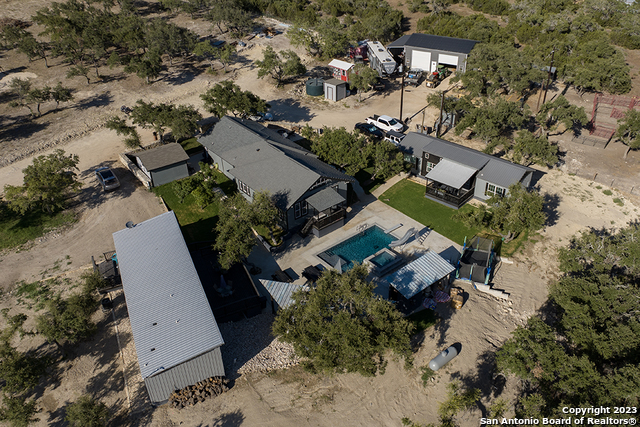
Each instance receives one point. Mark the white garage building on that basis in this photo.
(425, 51)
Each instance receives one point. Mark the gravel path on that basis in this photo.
(249, 346)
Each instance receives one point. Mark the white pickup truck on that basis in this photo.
(386, 123)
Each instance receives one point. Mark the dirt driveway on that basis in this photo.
(99, 215)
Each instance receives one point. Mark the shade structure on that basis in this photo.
(420, 274)
(451, 173)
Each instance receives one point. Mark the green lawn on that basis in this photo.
(197, 224)
(191, 145)
(408, 198)
(16, 229)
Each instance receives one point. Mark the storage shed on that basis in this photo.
(163, 164)
(340, 69)
(335, 90)
(426, 51)
(176, 336)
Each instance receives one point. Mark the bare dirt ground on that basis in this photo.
(291, 397)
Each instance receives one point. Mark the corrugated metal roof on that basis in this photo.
(164, 155)
(451, 173)
(429, 41)
(324, 199)
(171, 319)
(280, 291)
(342, 65)
(502, 173)
(420, 274)
(264, 160)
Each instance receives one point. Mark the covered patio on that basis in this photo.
(412, 283)
(329, 209)
(450, 183)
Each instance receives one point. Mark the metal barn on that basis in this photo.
(176, 336)
(425, 51)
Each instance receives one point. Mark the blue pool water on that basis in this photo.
(383, 259)
(358, 247)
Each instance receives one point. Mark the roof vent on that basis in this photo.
(155, 323)
(380, 50)
(153, 349)
(130, 224)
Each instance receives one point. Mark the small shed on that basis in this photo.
(176, 336)
(335, 90)
(163, 164)
(340, 69)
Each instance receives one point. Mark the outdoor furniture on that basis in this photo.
(281, 276)
(312, 273)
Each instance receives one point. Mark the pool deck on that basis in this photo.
(301, 253)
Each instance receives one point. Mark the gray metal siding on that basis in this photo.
(435, 55)
(169, 173)
(171, 319)
(206, 365)
(478, 193)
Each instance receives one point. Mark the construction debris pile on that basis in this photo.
(190, 395)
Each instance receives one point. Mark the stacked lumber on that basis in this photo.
(190, 395)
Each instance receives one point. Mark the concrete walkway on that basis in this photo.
(302, 252)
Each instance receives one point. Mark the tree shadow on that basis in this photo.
(484, 378)
(101, 100)
(550, 208)
(290, 110)
(181, 74)
(230, 419)
(25, 128)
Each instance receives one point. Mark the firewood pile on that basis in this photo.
(190, 395)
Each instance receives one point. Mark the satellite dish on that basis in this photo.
(130, 224)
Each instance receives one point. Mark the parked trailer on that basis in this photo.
(381, 59)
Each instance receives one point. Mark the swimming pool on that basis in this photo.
(357, 248)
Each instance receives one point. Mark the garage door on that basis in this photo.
(421, 60)
(448, 59)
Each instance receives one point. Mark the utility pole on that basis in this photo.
(439, 121)
(544, 98)
(401, 95)
(547, 87)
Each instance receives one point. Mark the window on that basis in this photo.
(430, 166)
(300, 209)
(494, 190)
(244, 188)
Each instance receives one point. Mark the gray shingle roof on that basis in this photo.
(264, 160)
(162, 156)
(429, 41)
(420, 274)
(502, 173)
(325, 198)
(170, 316)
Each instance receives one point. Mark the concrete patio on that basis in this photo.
(300, 253)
